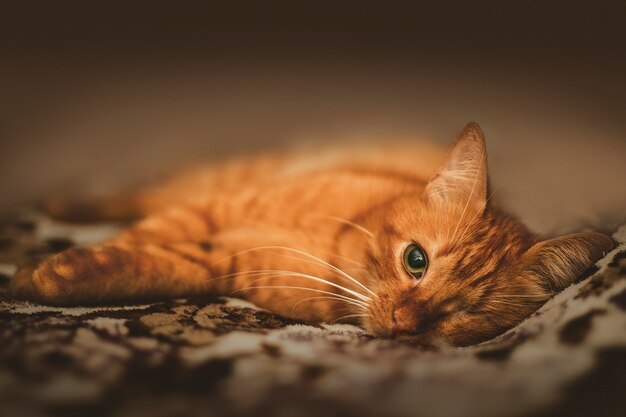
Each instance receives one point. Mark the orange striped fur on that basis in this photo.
(320, 237)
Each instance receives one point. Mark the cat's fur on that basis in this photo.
(320, 237)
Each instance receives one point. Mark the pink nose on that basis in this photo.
(401, 323)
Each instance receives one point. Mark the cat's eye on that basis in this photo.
(415, 260)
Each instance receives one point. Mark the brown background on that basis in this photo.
(94, 96)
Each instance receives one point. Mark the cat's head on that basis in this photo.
(451, 267)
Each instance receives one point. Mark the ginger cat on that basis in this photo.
(402, 240)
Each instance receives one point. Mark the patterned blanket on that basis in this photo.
(226, 357)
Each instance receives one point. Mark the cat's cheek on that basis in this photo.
(467, 330)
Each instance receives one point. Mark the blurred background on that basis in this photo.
(98, 95)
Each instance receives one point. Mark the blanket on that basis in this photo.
(223, 356)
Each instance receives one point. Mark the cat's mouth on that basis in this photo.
(426, 340)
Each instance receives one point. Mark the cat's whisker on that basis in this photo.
(488, 309)
(492, 318)
(279, 272)
(292, 287)
(326, 298)
(356, 269)
(507, 303)
(469, 197)
(343, 258)
(460, 174)
(334, 255)
(507, 285)
(333, 267)
(333, 284)
(314, 262)
(262, 247)
(435, 193)
(462, 235)
(347, 308)
(321, 261)
(274, 273)
(254, 272)
(344, 221)
(343, 298)
(349, 316)
(523, 288)
(526, 296)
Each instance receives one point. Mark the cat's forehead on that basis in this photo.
(488, 246)
(456, 233)
(429, 225)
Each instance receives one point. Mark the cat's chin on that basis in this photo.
(423, 341)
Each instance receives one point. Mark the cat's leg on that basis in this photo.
(192, 222)
(140, 263)
(117, 272)
(280, 271)
(183, 223)
(290, 272)
(111, 273)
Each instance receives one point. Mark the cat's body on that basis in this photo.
(324, 237)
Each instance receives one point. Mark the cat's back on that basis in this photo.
(403, 161)
(417, 161)
(319, 176)
(333, 180)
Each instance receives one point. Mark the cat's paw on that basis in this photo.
(21, 285)
(59, 278)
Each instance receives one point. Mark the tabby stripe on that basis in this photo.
(207, 218)
(187, 257)
(358, 218)
(501, 262)
(372, 259)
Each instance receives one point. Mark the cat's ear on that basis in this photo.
(463, 177)
(560, 261)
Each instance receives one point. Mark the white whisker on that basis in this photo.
(279, 272)
(526, 296)
(326, 298)
(350, 315)
(344, 221)
(492, 318)
(334, 268)
(293, 288)
(509, 303)
(352, 261)
(314, 262)
(462, 235)
(272, 273)
(469, 198)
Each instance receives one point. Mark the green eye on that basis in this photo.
(415, 260)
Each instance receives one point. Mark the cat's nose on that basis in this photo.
(401, 323)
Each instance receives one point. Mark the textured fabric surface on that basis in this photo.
(225, 357)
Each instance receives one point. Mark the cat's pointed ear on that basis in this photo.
(558, 262)
(463, 176)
